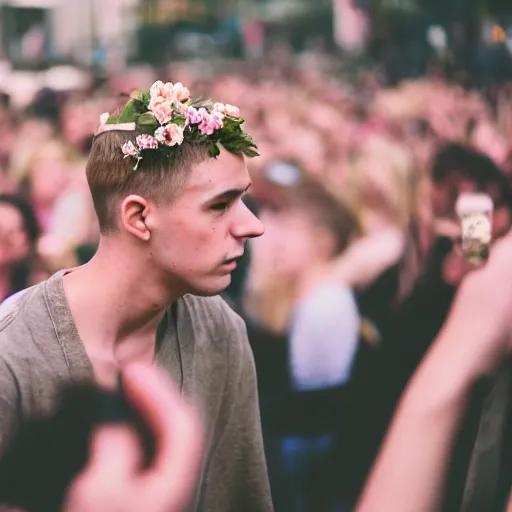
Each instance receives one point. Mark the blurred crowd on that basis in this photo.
(356, 185)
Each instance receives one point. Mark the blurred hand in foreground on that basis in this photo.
(113, 479)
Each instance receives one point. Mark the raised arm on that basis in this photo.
(410, 472)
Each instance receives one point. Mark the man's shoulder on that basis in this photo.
(27, 329)
(24, 327)
(17, 308)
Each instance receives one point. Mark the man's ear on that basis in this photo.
(134, 210)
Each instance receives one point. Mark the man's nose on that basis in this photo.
(247, 225)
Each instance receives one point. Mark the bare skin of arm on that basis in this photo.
(410, 472)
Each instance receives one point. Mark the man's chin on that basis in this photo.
(213, 288)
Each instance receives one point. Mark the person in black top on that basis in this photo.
(19, 233)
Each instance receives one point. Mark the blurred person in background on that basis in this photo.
(388, 194)
(413, 325)
(457, 169)
(79, 120)
(466, 371)
(8, 129)
(318, 320)
(54, 181)
(19, 234)
(46, 176)
(30, 135)
(7, 185)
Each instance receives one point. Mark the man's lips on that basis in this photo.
(233, 260)
(231, 263)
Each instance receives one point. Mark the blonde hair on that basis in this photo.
(391, 166)
(400, 203)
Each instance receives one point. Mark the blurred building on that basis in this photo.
(82, 30)
(94, 30)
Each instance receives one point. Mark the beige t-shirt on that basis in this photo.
(206, 352)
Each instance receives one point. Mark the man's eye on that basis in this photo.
(220, 207)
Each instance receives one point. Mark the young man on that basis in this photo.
(173, 224)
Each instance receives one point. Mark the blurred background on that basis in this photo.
(371, 116)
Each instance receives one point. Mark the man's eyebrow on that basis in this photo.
(229, 195)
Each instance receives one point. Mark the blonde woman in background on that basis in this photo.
(389, 195)
(54, 181)
(31, 136)
(319, 320)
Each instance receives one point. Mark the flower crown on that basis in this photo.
(166, 117)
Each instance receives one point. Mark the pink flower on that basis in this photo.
(129, 149)
(180, 92)
(163, 112)
(211, 122)
(217, 119)
(161, 90)
(170, 135)
(160, 93)
(146, 141)
(167, 93)
(193, 115)
(227, 110)
(232, 111)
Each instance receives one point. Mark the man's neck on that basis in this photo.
(116, 304)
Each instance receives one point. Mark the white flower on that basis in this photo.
(160, 135)
(145, 141)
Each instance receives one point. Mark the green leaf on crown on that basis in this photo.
(136, 95)
(132, 111)
(180, 121)
(145, 98)
(147, 123)
(233, 121)
(142, 99)
(250, 153)
(148, 118)
(213, 150)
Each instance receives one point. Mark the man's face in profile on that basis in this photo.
(197, 238)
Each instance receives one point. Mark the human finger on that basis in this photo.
(176, 428)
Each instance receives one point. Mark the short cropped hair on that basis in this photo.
(111, 177)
